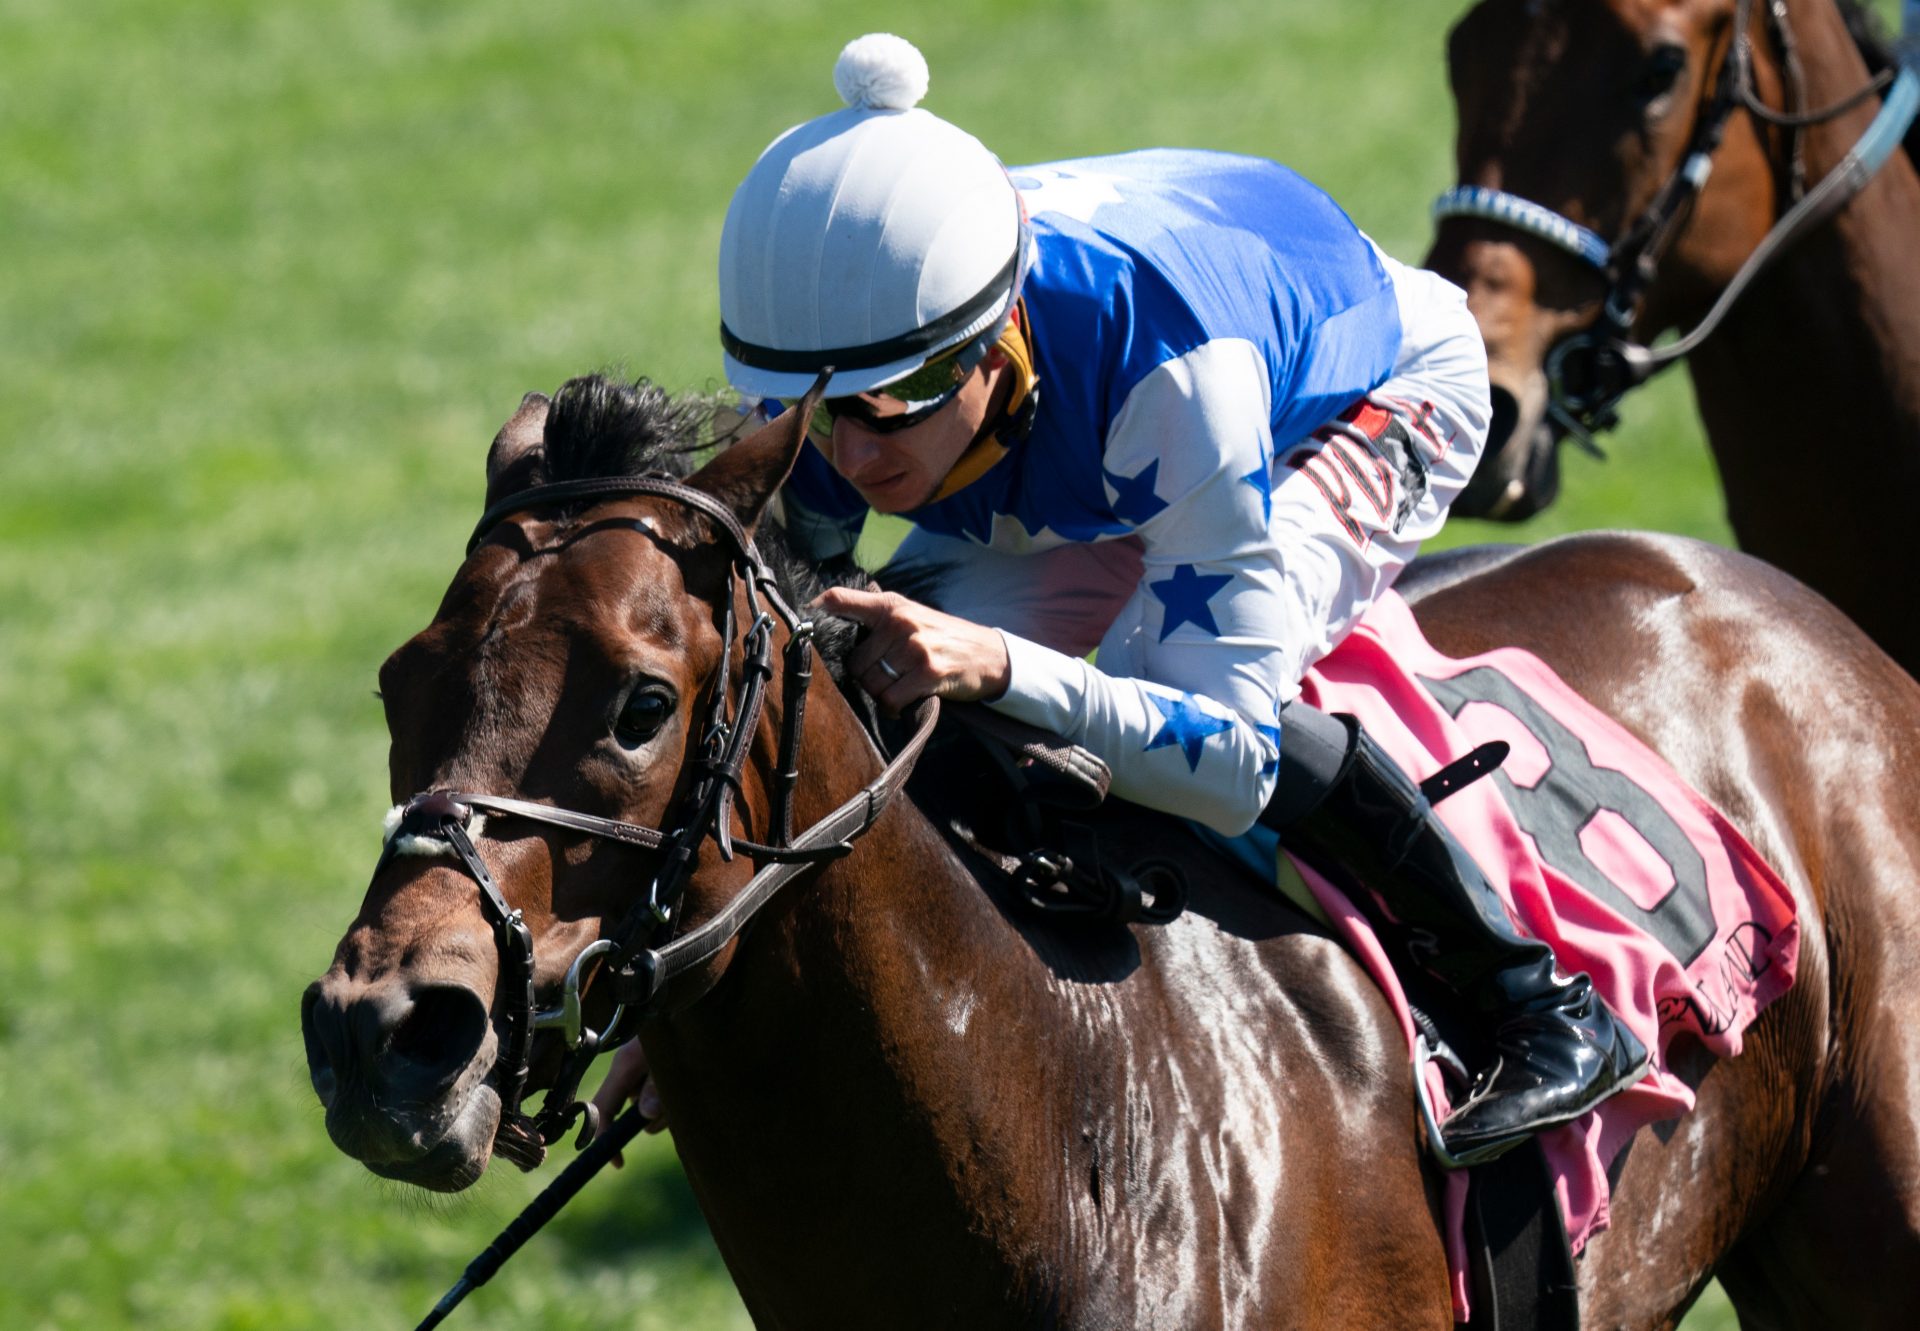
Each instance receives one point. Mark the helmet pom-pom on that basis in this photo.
(880, 72)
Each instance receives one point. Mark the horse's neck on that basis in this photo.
(838, 1085)
(1811, 390)
(901, 1101)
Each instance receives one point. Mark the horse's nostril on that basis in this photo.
(391, 1042)
(441, 1031)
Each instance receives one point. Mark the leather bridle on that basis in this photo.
(641, 956)
(1590, 372)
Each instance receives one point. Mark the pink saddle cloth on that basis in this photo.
(1599, 848)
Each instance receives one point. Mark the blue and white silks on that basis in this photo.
(1190, 311)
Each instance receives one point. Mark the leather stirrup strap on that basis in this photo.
(1465, 770)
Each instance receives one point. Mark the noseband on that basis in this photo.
(1589, 373)
(638, 955)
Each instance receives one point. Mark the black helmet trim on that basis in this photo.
(942, 332)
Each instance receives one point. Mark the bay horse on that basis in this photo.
(1810, 388)
(900, 1104)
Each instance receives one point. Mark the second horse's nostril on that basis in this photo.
(1506, 414)
(440, 1033)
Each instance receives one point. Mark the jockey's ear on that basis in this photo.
(518, 457)
(746, 475)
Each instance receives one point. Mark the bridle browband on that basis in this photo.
(1590, 372)
(638, 958)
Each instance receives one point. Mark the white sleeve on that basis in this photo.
(1253, 566)
(1182, 705)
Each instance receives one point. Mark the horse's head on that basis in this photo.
(1590, 108)
(574, 662)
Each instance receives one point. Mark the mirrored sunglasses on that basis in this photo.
(900, 405)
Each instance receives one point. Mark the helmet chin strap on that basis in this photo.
(997, 439)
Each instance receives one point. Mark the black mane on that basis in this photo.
(602, 427)
(599, 426)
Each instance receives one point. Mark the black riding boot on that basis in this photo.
(1558, 1050)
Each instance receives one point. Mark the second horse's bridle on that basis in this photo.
(1589, 373)
(637, 956)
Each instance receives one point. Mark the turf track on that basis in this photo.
(272, 275)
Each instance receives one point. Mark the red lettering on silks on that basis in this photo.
(1423, 423)
(1331, 480)
(1338, 476)
(1379, 487)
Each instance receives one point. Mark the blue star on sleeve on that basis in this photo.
(1272, 765)
(1185, 595)
(1261, 479)
(1186, 725)
(1133, 498)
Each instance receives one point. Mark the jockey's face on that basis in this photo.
(903, 469)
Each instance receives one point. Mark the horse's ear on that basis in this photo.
(517, 460)
(747, 474)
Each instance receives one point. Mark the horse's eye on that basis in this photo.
(646, 710)
(1663, 67)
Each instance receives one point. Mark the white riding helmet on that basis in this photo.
(870, 240)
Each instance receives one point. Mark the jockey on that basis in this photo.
(1173, 406)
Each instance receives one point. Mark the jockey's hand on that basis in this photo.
(627, 1080)
(912, 651)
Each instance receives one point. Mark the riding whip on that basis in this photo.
(541, 1209)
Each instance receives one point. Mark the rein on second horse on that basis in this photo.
(1589, 373)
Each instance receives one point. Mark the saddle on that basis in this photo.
(1028, 807)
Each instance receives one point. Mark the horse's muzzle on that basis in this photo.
(400, 1068)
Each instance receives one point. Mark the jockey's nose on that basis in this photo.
(856, 449)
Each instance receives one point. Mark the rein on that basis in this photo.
(640, 955)
(1589, 373)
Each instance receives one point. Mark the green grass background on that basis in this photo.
(270, 276)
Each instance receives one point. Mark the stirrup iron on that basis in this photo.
(1436, 1143)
